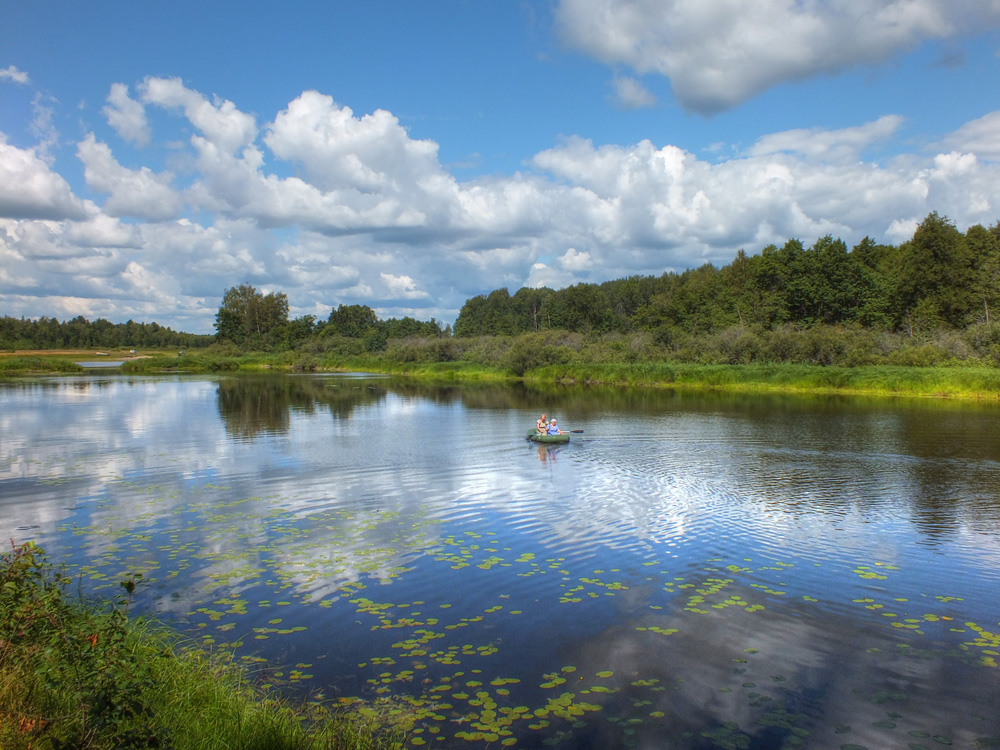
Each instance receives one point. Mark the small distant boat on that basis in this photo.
(535, 437)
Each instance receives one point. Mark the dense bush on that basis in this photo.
(332, 344)
(417, 349)
(531, 351)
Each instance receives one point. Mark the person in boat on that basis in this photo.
(542, 425)
(553, 428)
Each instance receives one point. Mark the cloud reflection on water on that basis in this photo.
(306, 488)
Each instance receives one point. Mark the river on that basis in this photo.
(690, 571)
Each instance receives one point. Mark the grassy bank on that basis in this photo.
(981, 383)
(88, 677)
(291, 362)
(965, 381)
(27, 365)
(58, 361)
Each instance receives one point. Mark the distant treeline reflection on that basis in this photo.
(255, 404)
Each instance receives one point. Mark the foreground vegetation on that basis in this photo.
(86, 676)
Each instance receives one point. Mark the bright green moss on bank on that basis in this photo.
(89, 678)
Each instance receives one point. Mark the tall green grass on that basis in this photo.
(27, 365)
(431, 371)
(950, 382)
(87, 677)
(968, 380)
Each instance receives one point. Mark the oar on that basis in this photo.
(580, 431)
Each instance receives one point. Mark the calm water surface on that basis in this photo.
(691, 572)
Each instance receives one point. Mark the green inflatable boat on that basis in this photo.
(535, 437)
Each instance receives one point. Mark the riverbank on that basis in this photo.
(971, 383)
(959, 381)
(81, 675)
(976, 383)
(45, 361)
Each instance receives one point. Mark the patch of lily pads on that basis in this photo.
(444, 665)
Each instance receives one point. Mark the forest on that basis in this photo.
(80, 333)
(931, 300)
(940, 279)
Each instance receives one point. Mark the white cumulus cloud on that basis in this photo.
(335, 149)
(139, 193)
(402, 287)
(371, 216)
(11, 73)
(630, 94)
(718, 53)
(846, 143)
(30, 189)
(225, 127)
(103, 231)
(126, 115)
(981, 136)
(574, 260)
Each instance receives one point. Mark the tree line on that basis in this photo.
(931, 300)
(941, 279)
(80, 333)
(247, 320)
(252, 320)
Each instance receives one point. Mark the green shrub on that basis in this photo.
(739, 346)
(223, 348)
(533, 350)
(85, 677)
(375, 340)
(918, 355)
(334, 345)
(984, 338)
(422, 349)
(52, 650)
(488, 351)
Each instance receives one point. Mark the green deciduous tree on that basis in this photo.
(872, 284)
(934, 277)
(247, 315)
(984, 248)
(352, 321)
(581, 307)
(299, 330)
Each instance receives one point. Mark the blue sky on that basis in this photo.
(409, 156)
